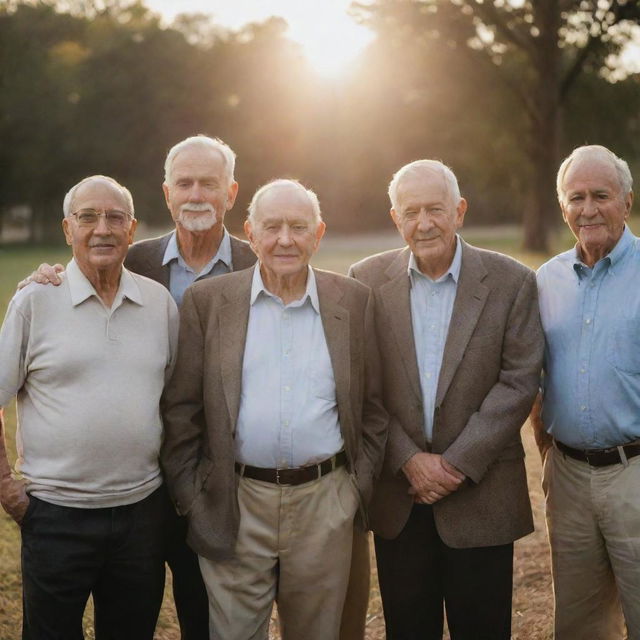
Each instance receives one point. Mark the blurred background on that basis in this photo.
(336, 93)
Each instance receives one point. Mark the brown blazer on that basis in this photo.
(145, 258)
(203, 398)
(488, 380)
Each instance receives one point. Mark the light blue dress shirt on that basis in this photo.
(181, 275)
(431, 307)
(288, 413)
(591, 321)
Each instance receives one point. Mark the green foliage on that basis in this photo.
(104, 87)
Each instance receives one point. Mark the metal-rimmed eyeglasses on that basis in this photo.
(114, 218)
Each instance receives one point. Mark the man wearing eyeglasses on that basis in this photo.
(88, 361)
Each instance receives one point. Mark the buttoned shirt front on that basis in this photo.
(288, 414)
(431, 307)
(181, 275)
(591, 321)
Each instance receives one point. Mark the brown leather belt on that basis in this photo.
(600, 457)
(295, 475)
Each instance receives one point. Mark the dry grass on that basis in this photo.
(532, 592)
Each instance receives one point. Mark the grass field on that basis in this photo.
(532, 609)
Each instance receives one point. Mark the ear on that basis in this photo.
(132, 230)
(628, 203)
(67, 231)
(232, 192)
(461, 209)
(396, 218)
(248, 231)
(319, 232)
(165, 189)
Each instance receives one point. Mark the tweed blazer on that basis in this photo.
(202, 401)
(488, 380)
(145, 257)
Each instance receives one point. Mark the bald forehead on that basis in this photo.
(284, 197)
(98, 189)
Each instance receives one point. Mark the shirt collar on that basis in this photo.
(172, 252)
(311, 292)
(453, 270)
(612, 258)
(80, 288)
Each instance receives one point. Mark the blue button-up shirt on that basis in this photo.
(431, 307)
(591, 321)
(288, 413)
(181, 275)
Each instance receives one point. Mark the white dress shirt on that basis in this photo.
(288, 413)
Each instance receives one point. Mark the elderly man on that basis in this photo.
(461, 350)
(590, 308)
(88, 362)
(199, 189)
(274, 428)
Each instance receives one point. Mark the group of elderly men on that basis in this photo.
(295, 408)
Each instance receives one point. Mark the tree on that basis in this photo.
(538, 48)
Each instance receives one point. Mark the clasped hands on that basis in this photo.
(431, 477)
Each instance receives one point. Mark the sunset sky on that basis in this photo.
(330, 37)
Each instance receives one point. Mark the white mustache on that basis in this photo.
(197, 206)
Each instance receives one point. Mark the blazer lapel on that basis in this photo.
(395, 296)
(335, 322)
(234, 318)
(470, 300)
(154, 268)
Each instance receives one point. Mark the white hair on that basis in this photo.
(204, 142)
(602, 153)
(420, 165)
(68, 199)
(282, 182)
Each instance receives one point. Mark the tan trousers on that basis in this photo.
(593, 521)
(354, 615)
(293, 547)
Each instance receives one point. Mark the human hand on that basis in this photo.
(44, 274)
(429, 478)
(13, 497)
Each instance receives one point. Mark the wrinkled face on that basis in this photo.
(594, 207)
(100, 247)
(284, 234)
(427, 218)
(199, 193)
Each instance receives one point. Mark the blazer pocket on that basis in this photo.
(484, 340)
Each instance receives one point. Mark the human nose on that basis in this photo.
(195, 194)
(284, 237)
(101, 224)
(425, 221)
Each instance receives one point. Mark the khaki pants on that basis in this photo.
(294, 547)
(593, 520)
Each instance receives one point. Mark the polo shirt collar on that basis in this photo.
(81, 289)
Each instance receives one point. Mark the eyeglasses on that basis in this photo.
(115, 219)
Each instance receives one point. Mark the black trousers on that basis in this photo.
(418, 573)
(116, 554)
(189, 592)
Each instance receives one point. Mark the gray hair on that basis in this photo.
(282, 182)
(68, 199)
(204, 142)
(602, 153)
(419, 165)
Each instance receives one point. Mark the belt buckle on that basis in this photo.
(278, 477)
(588, 456)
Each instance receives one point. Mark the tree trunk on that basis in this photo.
(541, 210)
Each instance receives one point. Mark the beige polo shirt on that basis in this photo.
(88, 381)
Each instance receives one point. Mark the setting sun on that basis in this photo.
(330, 37)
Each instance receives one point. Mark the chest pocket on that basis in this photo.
(624, 345)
